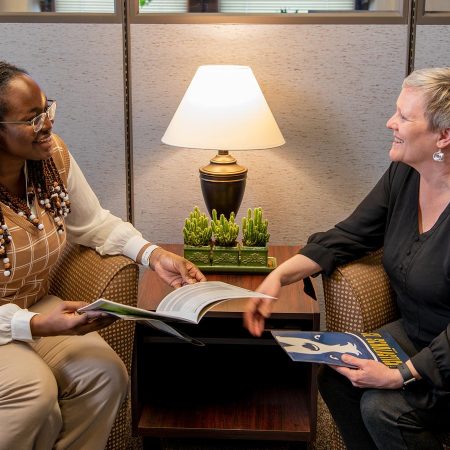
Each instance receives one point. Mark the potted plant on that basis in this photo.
(225, 232)
(197, 233)
(255, 237)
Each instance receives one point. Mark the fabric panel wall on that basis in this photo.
(331, 89)
(432, 46)
(80, 66)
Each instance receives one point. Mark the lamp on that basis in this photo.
(223, 109)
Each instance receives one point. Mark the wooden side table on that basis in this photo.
(236, 386)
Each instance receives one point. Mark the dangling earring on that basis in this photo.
(438, 156)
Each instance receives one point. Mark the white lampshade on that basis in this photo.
(223, 109)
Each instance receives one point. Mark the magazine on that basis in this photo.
(327, 347)
(186, 304)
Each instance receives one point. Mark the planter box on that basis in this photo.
(225, 256)
(198, 255)
(254, 256)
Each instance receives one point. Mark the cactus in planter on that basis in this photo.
(197, 230)
(197, 233)
(225, 230)
(254, 239)
(254, 229)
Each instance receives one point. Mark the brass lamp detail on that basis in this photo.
(223, 109)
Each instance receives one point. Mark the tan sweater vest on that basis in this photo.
(33, 252)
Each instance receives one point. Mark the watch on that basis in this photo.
(406, 374)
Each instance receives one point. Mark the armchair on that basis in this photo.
(358, 298)
(87, 276)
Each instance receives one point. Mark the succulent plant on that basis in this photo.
(254, 229)
(197, 230)
(225, 230)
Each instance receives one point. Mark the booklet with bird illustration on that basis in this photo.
(327, 347)
(188, 303)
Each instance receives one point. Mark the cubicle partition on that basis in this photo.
(331, 85)
(80, 65)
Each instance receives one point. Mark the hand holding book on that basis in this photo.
(329, 347)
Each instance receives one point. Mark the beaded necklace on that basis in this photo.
(41, 178)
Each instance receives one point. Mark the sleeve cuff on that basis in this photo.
(20, 325)
(134, 246)
(425, 364)
(321, 255)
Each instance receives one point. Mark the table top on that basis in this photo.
(292, 299)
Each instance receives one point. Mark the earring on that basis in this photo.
(438, 156)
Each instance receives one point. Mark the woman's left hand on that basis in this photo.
(173, 269)
(370, 374)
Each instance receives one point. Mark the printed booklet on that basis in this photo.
(327, 347)
(186, 304)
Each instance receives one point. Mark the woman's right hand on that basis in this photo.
(65, 320)
(259, 309)
(294, 269)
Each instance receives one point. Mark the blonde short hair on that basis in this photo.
(435, 84)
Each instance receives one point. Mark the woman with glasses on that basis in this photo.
(61, 385)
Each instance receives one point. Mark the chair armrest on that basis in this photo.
(82, 274)
(358, 296)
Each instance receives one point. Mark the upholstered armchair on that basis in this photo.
(85, 275)
(358, 298)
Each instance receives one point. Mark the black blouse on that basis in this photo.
(418, 264)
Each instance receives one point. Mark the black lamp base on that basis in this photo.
(223, 184)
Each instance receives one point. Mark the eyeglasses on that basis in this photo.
(38, 122)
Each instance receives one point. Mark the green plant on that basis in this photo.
(225, 230)
(143, 3)
(197, 230)
(254, 229)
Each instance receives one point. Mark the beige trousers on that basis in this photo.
(60, 392)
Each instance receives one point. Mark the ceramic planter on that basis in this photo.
(198, 255)
(254, 256)
(225, 256)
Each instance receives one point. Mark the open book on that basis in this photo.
(186, 304)
(327, 347)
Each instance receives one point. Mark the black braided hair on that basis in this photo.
(7, 73)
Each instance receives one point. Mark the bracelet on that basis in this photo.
(145, 258)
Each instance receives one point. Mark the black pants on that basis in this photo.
(381, 418)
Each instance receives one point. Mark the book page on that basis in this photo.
(125, 312)
(193, 300)
(188, 303)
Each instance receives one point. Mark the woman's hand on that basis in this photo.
(294, 269)
(258, 310)
(64, 320)
(370, 374)
(173, 269)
